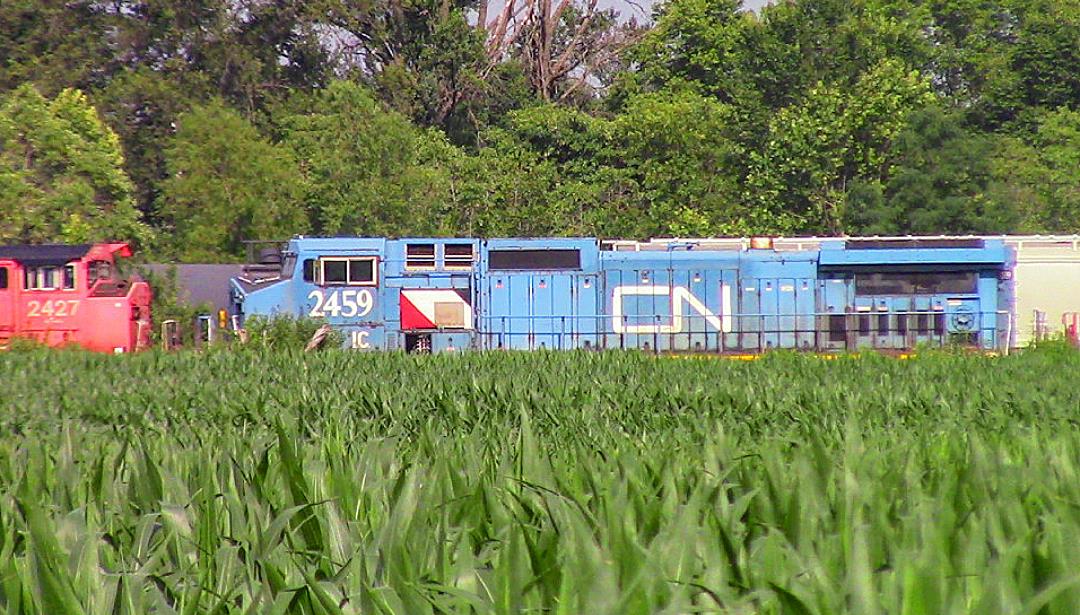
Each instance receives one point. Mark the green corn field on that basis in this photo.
(566, 483)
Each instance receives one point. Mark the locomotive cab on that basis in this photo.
(72, 295)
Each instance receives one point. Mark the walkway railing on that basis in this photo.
(751, 332)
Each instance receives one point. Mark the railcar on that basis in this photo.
(718, 296)
(72, 294)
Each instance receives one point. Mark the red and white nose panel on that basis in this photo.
(430, 308)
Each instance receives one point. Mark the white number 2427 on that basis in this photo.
(348, 303)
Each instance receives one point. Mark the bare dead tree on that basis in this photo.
(561, 43)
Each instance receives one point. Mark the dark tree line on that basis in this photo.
(191, 126)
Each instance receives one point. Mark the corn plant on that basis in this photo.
(252, 481)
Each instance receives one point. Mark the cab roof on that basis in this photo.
(60, 253)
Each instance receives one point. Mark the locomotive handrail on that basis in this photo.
(805, 329)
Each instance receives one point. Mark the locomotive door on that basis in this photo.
(779, 304)
(777, 313)
(7, 299)
(549, 302)
(541, 310)
(703, 299)
(836, 293)
(760, 312)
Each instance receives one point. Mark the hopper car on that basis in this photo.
(72, 295)
(672, 295)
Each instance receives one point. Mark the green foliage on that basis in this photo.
(61, 173)
(423, 57)
(997, 60)
(23, 344)
(284, 333)
(667, 165)
(699, 41)
(1046, 58)
(227, 184)
(168, 305)
(942, 181)
(143, 106)
(395, 118)
(338, 482)
(1041, 174)
(51, 44)
(837, 135)
(680, 168)
(369, 170)
(833, 82)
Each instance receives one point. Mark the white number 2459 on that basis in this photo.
(348, 303)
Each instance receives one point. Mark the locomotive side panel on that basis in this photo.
(341, 282)
(50, 305)
(777, 300)
(670, 301)
(126, 307)
(671, 296)
(429, 294)
(898, 294)
(333, 279)
(539, 294)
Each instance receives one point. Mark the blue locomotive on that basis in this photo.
(718, 296)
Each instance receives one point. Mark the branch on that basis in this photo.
(560, 66)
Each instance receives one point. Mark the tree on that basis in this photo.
(564, 46)
(1057, 142)
(941, 181)
(61, 173)
(450, 64)
(700, 42)
(1047, 56)
(53, 44)
(423, 58)
(245, 51)
(668, 165)
(679, 152)
(1041, 176)
(369, 170)
(508, 189)
(816, 149)
(996, 59)
(143, 106)
(227, 184)
(771, 59)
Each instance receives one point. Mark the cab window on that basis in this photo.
(69, 277)
(335, 271)
(905, 283)
(3, 278)
(99, 270)
(358, 271)
(42, 278)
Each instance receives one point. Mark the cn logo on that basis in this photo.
(680, 298)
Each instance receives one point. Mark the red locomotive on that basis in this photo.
(72, 294)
